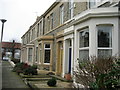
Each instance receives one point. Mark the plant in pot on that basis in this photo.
(67, 76)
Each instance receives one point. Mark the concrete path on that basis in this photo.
(10, 79)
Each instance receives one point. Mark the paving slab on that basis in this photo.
(11, 79)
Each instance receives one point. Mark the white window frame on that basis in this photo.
(30, 55)
(62, 14)
(44, 52)
(97, 3)
(83, 48)
(37, 55)
(71, 6)
(48, 23)
(105, 48)
(40, 53)
(38, 29)
(52, 21)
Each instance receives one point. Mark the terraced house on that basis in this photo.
(70, 30)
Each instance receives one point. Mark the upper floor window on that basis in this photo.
(32, 34)
(38, 29)
(104, 40)
(95, 3)
(61, 14)
(47, 52)
(48, 23)
(29, 36)
(71, 8)
(51, 23)
(23, 40)
(92, 3)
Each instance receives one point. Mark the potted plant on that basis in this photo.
(67, 76)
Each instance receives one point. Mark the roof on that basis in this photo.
(10, 45)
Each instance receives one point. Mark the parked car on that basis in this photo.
(5, 58)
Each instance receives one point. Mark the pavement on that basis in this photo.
(10, 80)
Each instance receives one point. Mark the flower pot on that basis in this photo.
(68, 76)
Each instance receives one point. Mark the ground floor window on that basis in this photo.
(40, 56)
(104, 35)
(104, 52)
(84, 44)
(84, 54)
(30, 54)
(47, 52)
(37, 54)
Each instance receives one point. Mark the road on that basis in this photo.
(10, 80)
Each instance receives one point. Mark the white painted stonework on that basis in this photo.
(93, 18)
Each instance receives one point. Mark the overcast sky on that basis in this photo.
(20, 15)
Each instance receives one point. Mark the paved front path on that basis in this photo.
(11, 79)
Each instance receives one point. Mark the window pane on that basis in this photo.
(47, 45)
(36, 53)
(30, 54)
(61, 14)
(70, 8)
(83, 54)
(92, 3)
(104, 52)
(52, 21)
(40, 56)
(104, 36)
(84, 38)
(47, 56)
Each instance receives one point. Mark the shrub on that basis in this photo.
(18, 66)
(30, 71)
(25, 69)
(99, 72)
(52, 82)
(34, 66)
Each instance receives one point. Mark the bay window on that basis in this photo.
(40, 54)
(30, 54)
(37, 54)
(104, 35)
(84, 44)
(47, 52)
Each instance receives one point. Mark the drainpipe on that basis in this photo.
(119, 26)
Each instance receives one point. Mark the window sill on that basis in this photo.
(46, 63)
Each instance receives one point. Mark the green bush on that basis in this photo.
(30, 71)
(25, 69)
(18, 66)
(34, 66)
(52, 82)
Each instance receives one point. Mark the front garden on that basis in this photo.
(37, 80)
(97, 73)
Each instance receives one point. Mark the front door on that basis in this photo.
(69, 68)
